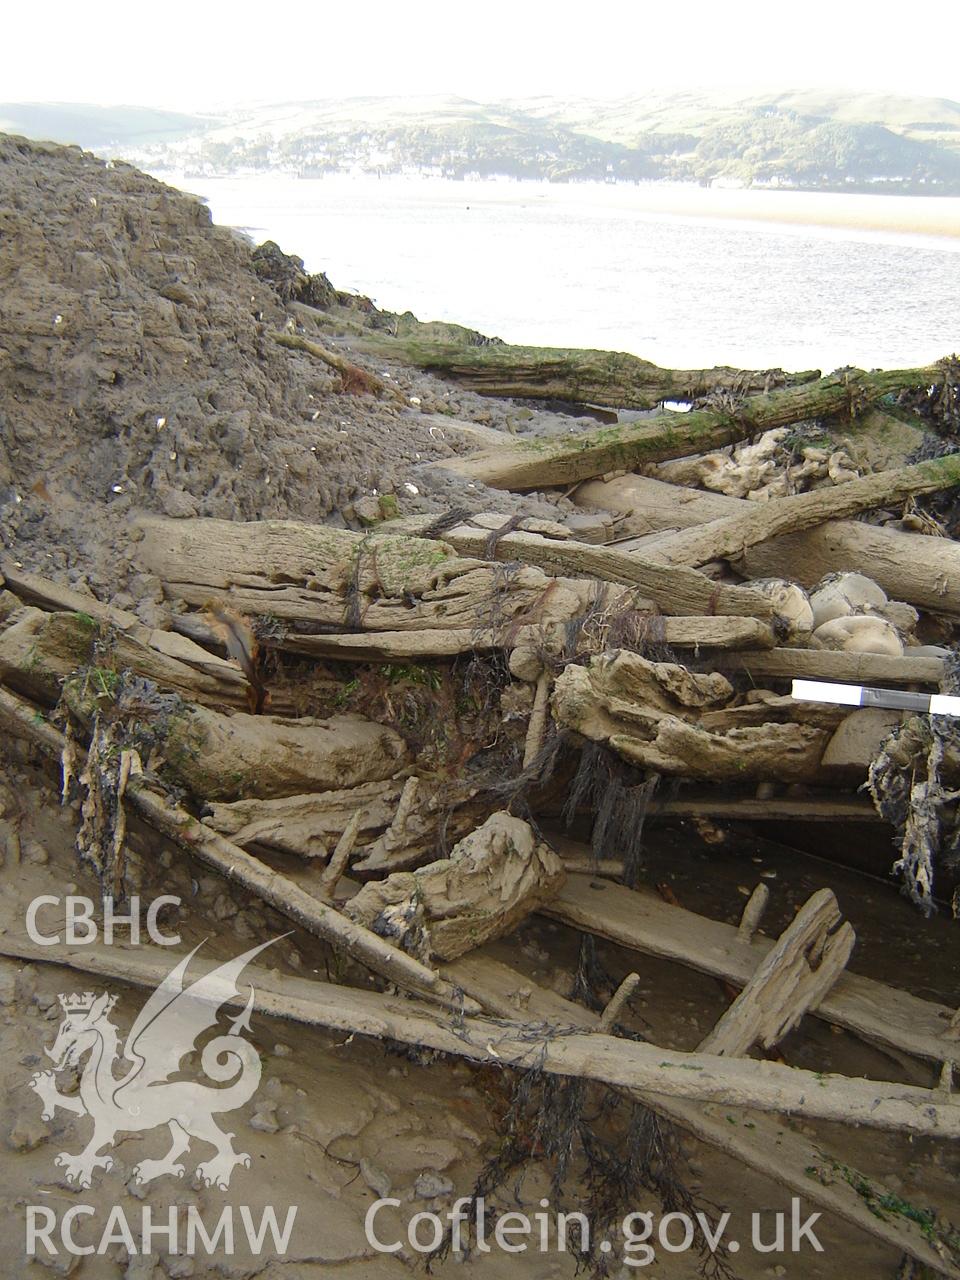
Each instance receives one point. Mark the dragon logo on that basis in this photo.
(164, 1032)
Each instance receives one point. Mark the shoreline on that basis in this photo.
(845, 211)
(679, 275)
(928, 216)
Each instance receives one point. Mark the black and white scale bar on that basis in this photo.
(859, 695)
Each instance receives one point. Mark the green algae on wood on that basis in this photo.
(534, 464)
(612, 378)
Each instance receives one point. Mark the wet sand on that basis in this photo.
(897, 215)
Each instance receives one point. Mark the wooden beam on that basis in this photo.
(642, 921)
(612, 378)
(675, 589)
(718, 803)
(627, 1064)
(806, 1167)
(539, 463)
(730, 537)
(825, 664)
(690, 632)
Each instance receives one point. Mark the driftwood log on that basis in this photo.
(628, 1064)
(793, 976)
(685, 632)
(922, 570)
(666, 719)
(494, 878)
(325, 579)
(540, 463)
(612, 378)
(729, 538)
(228, 757)
(674, 590)
(38, 649)
(645, 506)
(640, 920)
(759, 1141)
(331, 580)
(307, 826)
(310, 826)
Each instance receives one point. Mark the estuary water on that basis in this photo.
(683, 276)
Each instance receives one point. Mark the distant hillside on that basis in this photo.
(796, 140)
(95, 127)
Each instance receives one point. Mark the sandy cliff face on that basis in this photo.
(137, 371)
(132, 329)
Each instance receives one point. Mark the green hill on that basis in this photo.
(96, 127)
(807, 140)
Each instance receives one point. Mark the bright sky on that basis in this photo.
(202, 54)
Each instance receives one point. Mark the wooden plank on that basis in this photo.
(764, 1143)
(794, 976)
(854, 668)
(628, 1064)
(729, 537)
(695, 632)
(642, 921)
(716, 804)
(675, 588)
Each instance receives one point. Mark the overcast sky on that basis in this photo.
(202, 54)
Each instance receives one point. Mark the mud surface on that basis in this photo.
(338, 1122)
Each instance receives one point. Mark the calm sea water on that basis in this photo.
(685, 278)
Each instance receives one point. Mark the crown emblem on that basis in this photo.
(77, 1003)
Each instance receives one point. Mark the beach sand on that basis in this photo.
(897, 215)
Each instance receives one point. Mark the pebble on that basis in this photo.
(223, 907)
(28, 1131)
(430, 1186)
(36, 854)
(375, 1178)
(141, 1267)
(265, 1122)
